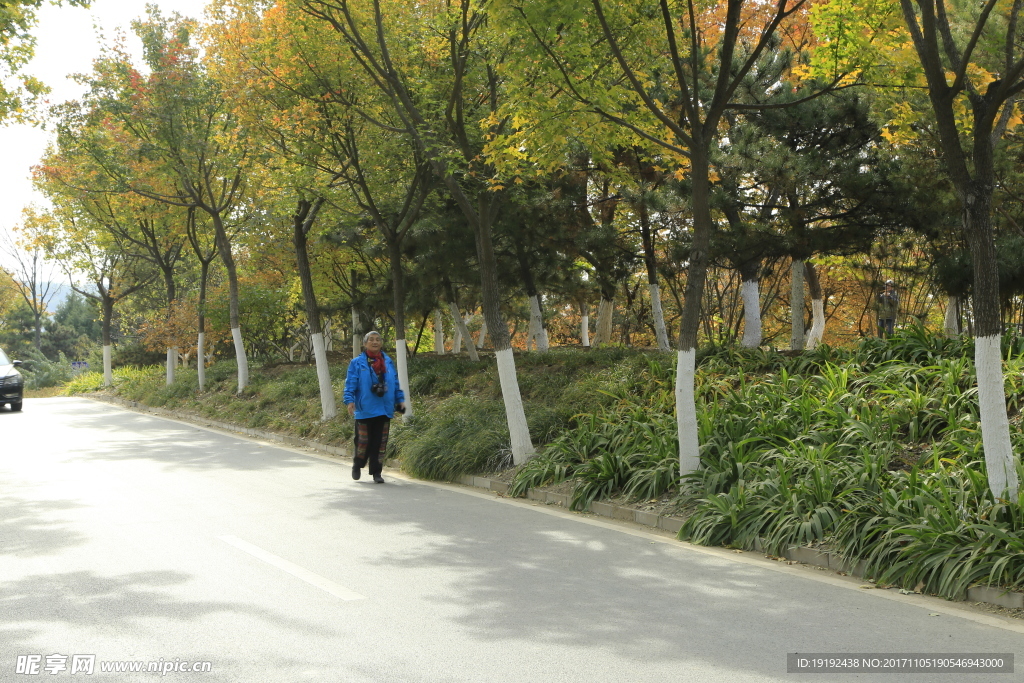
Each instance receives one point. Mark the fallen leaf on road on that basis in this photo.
(867, 586)
(934, 614)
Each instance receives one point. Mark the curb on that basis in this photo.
(665, 522)
(999, 597)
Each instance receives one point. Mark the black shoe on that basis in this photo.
(377, 479)
(356, 470)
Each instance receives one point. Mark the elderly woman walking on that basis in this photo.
(372, 395)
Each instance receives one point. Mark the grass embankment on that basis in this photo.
(873, 451)
(459, 426)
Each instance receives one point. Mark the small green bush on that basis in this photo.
(42, 373)
(460, 435)
(84, 383)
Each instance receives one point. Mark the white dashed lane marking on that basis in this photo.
(293, 569)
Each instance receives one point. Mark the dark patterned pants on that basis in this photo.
(371, 442)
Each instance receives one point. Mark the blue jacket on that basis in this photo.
(357, 388)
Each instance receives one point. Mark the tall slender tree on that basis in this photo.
(439, 72)
(972, 59)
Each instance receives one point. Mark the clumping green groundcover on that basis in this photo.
(873, 452)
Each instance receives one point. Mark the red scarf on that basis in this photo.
(376, 361)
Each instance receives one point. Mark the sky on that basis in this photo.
(67, 43)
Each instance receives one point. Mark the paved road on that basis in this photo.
(130, 537)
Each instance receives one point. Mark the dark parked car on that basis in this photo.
(11, 383)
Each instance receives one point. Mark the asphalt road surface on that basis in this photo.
(130, 540)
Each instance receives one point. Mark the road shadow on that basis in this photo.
(32, 527)
(525, 575)
(82, 601)
(131, 436)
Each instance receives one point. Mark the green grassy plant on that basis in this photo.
(460, 435)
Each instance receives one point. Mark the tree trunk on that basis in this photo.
(357, 338)
(466, 339)
(686, 356)
(172, 351)
(540, 333)
(204, 271)
(650, 261)
(603, 334)
(482, 335)
(951, 321)
(817, 306)
(172, 364)
(660, 331)
(751, 314)
(462, 332)
(988, 360)
(585, 326)
(398, 290)
(201, 360)
(302, 221)
(224, 247)
(107, 306)
(749, 290)
(796, 305)
(438, 333)
(37, 313)
(515, 414)
(402, 365)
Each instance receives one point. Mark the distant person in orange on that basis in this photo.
(372, 395)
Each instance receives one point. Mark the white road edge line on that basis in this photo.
(293, 569)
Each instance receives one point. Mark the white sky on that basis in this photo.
(66, 43)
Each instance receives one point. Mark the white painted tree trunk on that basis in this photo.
(328, 405)
(817, 323)
(796, 302)
(357, 340)
(461, 332)
(483, 335)
(537, 333)
(686, 411)
(201, 360)
(522, 446)
(750, 290)
(660, 331)
(467, 320)
(402, 365)
(438, 333)
(108, 373)
(457, 339)
(172, 364)
(951, 322)
(603, 334)
(995, 427)
(585, 330)
(243, 362)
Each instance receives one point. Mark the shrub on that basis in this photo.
(460, 435)
(43, 373)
